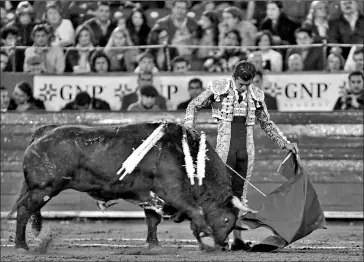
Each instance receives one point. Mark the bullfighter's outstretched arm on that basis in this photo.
(268, 125)
(204, 99)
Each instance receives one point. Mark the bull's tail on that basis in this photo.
(24, 194)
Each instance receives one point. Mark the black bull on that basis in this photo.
(87, 159)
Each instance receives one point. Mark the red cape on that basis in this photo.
(292, 211)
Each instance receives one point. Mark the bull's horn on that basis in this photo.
(237, 203)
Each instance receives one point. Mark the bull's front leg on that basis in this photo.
(153, 219)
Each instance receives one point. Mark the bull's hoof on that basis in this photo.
(22, 247)
(154, 246)
(241, 245)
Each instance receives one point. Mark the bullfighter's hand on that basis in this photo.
(292, 147)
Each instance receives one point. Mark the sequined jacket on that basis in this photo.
(223, 97)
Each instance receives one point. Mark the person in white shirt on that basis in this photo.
(272, 59)
(63, 31)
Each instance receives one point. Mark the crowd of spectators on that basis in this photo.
(89, 36)
(147, 37)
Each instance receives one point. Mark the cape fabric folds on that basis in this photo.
(292, 211)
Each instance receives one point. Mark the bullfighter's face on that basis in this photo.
(242, 85)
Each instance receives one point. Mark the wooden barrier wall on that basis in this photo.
(331, 146)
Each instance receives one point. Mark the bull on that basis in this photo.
(87, 159)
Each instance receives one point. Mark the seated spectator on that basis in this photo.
(180, 28)
(359, 59)
(272, 60)
(144, 78)
(317, 20)
(4, 61)
(180, 65)
(138, 27)
(147, 100)
(42, 58)
(295, 63)
(270, 101)
(353, 98)
(256, 58)
(207, 33)
(83, 101)
(335, 63)
(4, 99)
(233, 20)
(40, 8)
(195, 88)
(79, 61)
(160, 36)
(101, 25)
(100, 62)
(312, 56)
(277, 22)
(63, 33)
(23, 99)
(297, 10)
(9, 41)
(350, 64)
(225, 59)
(24, 23)
(146, 63)
(121, 59)
(80, 11)
(120, 20)
(349, 27)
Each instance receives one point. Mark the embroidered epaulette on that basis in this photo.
(257, 93)
(219, 86)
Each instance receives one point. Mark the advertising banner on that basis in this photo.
(294, 92)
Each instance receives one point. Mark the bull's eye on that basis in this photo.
(226, 220)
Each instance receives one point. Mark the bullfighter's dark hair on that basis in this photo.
(356, 73)
(3, 88)
(244, 70)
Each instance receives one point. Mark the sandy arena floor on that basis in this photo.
(125, 241)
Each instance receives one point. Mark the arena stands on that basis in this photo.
(49, 40)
